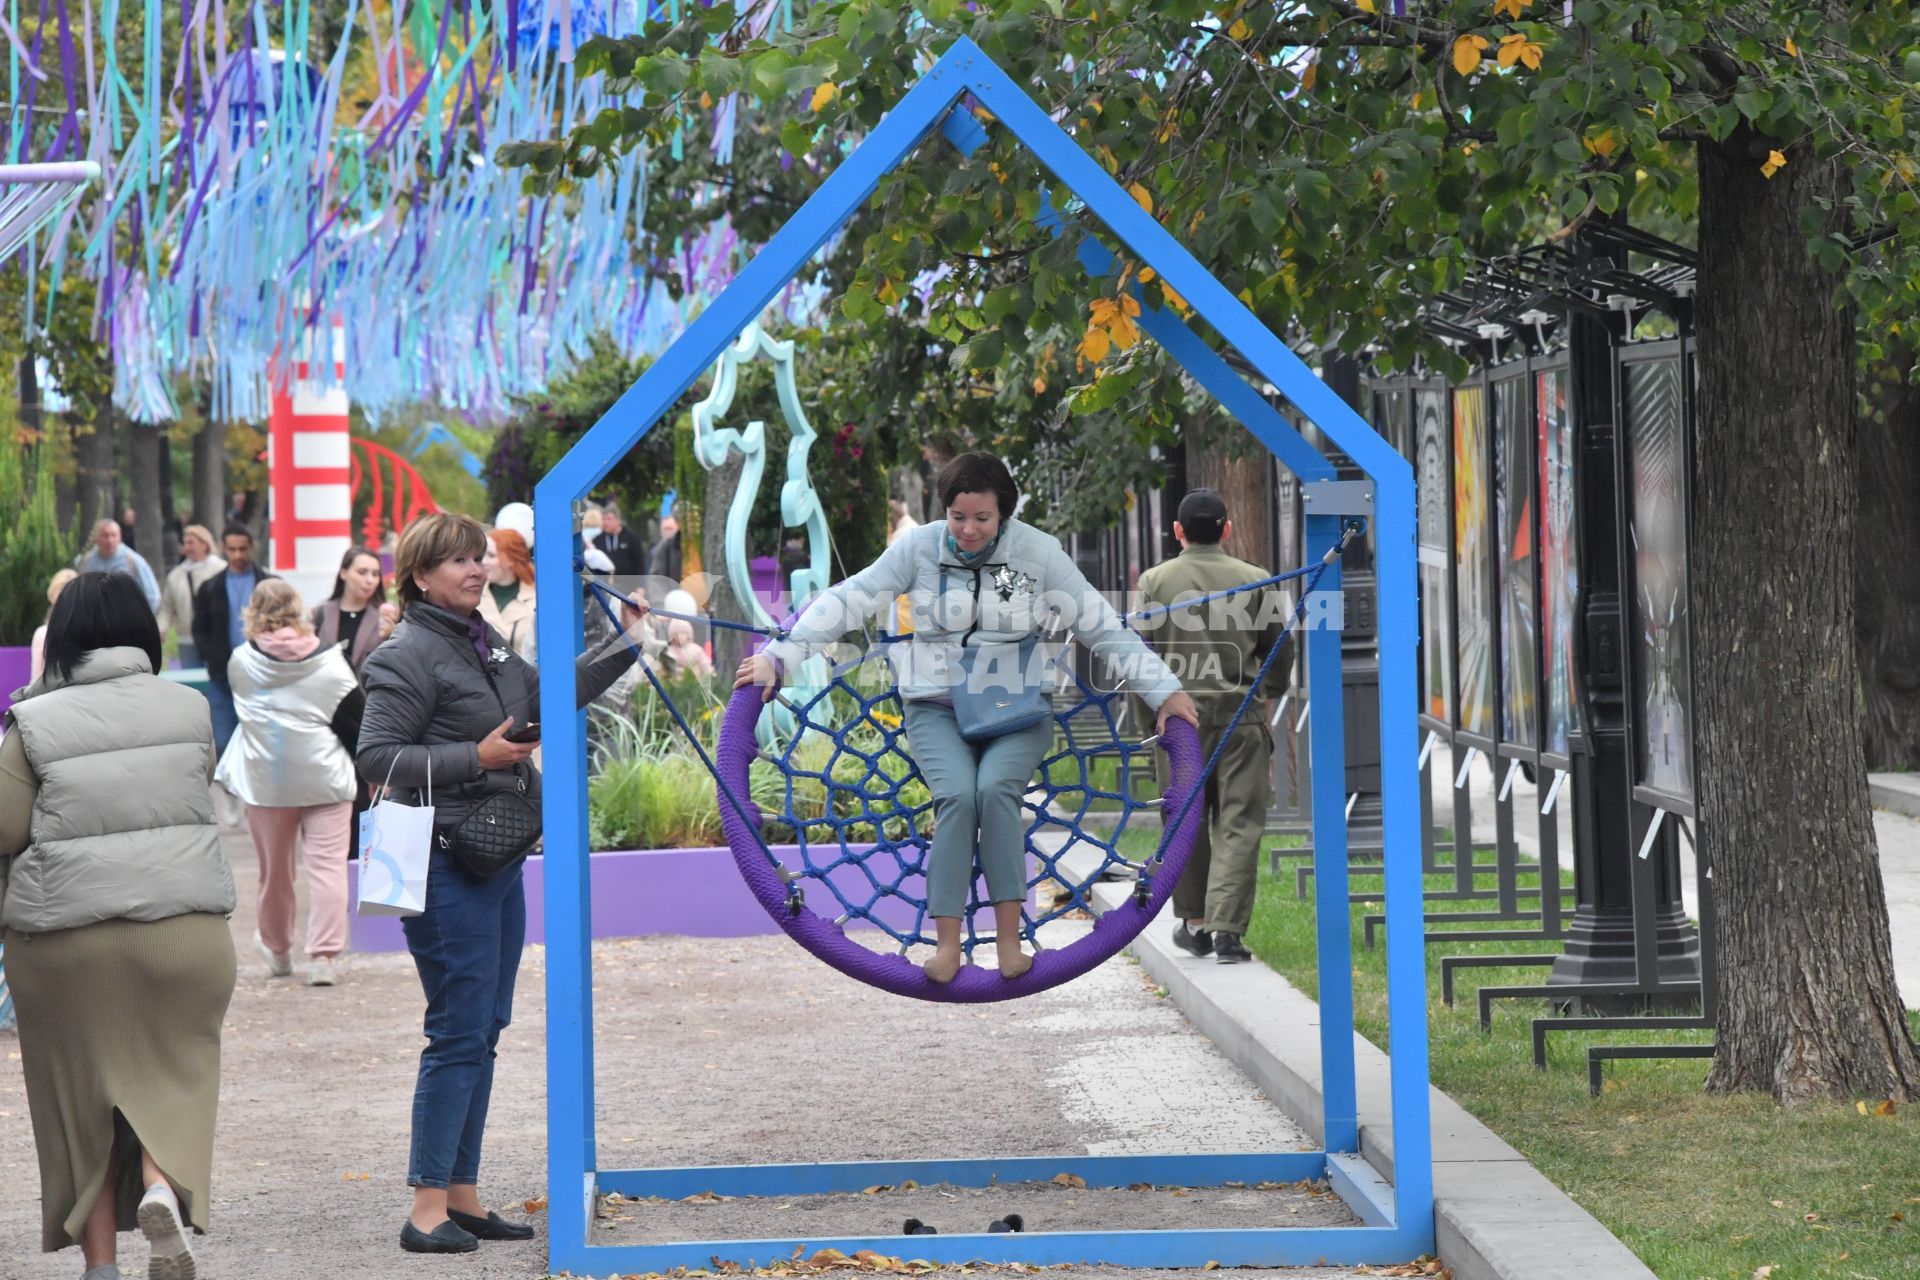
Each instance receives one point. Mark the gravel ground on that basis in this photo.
(710, 1052)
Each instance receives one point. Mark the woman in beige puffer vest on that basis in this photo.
(113, 893)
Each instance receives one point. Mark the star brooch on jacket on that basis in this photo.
(498, 655)
(1007, 583)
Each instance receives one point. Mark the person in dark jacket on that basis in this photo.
(622, 545)
(217, 625)
(663, 557)
(443, 695)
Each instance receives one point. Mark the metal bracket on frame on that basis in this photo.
(1338, 497)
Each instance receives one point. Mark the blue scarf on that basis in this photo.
(976, 557)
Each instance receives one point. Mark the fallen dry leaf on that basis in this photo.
(1069, 1180)
(1761, 1273)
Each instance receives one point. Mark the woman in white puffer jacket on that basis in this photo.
(291, 761)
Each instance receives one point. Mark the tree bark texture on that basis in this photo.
(1808, 1003)
(1886, 568)
(1244, 483)
(143, 465)
(726, 599)
(95, 452)
(210, 475)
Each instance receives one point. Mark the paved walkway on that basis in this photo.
(709, 1052)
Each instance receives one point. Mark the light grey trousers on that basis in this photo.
(976, 792)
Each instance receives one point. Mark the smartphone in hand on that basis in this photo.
(524, 733)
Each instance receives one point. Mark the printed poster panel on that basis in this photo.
(1473, 560)
(1663, 667)
(1514, 511)
(1435, 484)
(1559, 566)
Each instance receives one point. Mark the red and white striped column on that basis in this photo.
(310, 464)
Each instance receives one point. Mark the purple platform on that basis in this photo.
(695, 892)
(16, 667)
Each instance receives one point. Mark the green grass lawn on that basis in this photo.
(1702, 1188)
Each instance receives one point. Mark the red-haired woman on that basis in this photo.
(507, 605)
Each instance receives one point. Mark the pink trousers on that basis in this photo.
(321, 831)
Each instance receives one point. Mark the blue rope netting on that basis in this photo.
(843, 789)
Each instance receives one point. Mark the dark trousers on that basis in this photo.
(466, 946)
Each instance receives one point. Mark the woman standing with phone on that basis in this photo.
(453, 715)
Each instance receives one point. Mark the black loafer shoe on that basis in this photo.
(1227, 949)
(1193, 942)
(448, 1237)
(915, 1227)
(491, 1227)
(1012, 1222)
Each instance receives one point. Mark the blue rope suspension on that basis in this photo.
(860, 812)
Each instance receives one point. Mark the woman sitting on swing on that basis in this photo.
(981, 587)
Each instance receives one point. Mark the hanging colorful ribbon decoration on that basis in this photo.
(250, 198)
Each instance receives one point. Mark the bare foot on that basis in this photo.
(1014, 961)
(942, 966)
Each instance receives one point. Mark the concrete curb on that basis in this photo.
(1899, 792)
(1497, 1217)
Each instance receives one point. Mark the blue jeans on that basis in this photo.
(466, 945)
(225, 718)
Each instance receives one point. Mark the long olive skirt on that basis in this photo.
(120, 1041)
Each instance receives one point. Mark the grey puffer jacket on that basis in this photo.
(430, 700)
(123, 825)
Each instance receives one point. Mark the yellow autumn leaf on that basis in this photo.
(1141, 195)
(1039, 385)
(1146, 274)
(706, 101)
(823, 95)
(1517, 48)
(1310, 76)
(1514, 9)
(1102, 312)
(1417, 99)
(1466, 54)
(1095, 344)
(1239, 30)
(1365, 6)
(1775, 163)
(1602, 142)
(1793, 50)
(1174, 300)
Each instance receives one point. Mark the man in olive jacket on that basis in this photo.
(1216, 649)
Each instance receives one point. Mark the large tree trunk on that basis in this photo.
(726, 599)
(210, 474)
(1808, 1004)
(98, 461)
(143, 465)
(1243, 483)
(1886, 570)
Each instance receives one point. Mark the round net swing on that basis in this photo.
(843, 790)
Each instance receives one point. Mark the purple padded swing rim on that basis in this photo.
(975, 984)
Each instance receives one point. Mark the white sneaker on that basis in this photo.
(279, 964)
(321, 972)
(170, 1256)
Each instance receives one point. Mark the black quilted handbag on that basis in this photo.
(496, 833)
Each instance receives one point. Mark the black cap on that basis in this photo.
(1202, 509)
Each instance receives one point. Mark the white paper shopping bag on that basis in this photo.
(396, 841)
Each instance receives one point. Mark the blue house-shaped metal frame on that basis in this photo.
(1398, 1220)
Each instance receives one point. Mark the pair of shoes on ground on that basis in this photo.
(461, 1233)
(169, 1255)
(999, 1226)
(322, 972)
(1226, 948)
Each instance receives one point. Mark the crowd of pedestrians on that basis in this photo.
(113, 901)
